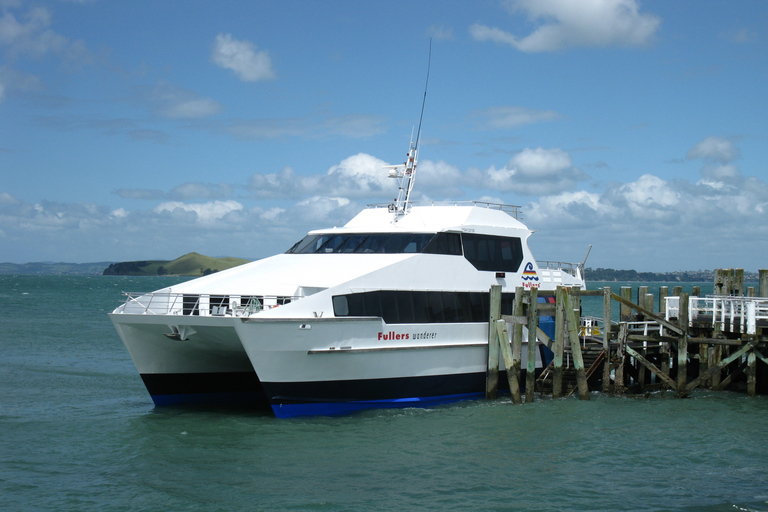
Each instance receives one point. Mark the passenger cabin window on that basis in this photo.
(420, 307)
(484, 252)
(381, 243)
(495, 253)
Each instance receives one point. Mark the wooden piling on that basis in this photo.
(492, 372)
(559, 346)
(607, 339)
(625, 312)
(572, 320)
(663, 294)
(533, 324)
(751, 374)
(513, 371)
(641, 292)
(762, 289)
(682, 345)
(618, 384)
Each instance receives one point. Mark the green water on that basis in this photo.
(79, 432)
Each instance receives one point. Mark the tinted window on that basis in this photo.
(444, 243)
(494, 253)
(419, 307)
(382, 243)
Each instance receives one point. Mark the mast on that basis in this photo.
(405, 173)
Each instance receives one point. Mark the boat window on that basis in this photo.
(419, 307)
(341, 305)
(332, 243)
(382, 243)
(494, 253)
(444, 243)
(308, 244)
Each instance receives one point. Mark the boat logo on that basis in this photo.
(529, 274)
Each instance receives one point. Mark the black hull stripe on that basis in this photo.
(197, 388)
(379, 389)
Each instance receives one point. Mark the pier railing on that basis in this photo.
(723, 313)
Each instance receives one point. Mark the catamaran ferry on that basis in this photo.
(390, 310)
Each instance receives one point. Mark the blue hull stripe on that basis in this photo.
(291, 410)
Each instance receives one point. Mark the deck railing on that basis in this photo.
(174, 303)
(510, 209)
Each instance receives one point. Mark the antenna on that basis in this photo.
(406, 173)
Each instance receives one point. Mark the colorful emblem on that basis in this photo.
(529, 274)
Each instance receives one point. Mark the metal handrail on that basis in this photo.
(727, 312)
(173, 303)
(511, 209)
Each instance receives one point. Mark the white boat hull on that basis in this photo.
(189, 359)
(334, 366)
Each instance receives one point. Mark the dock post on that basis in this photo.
(607, 339)
(762, 289)
(641, 292)
(492, 373)
(533, 324)
(676, 291)
(682, 347)
(513, 369)
(663, 294)
(572, 320)
(704, 362)
(618, 385)
(557, 372)
(720, 286)
(737, 285)
(625, 312)
(752, 373)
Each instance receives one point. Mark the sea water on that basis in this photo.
(78, 431)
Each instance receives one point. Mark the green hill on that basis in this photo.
(192, 264)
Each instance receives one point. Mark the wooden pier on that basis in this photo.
(690, 342)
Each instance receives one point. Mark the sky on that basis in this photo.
(146, 130)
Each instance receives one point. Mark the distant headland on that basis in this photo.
(192, 264)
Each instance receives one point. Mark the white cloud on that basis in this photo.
(714, 148)
(174, 102)
(533, 171)
(353, 125)
(12, 80)
(357, 176)
(205, 213)
(508, 117)
(242, 57)
(6, 198)
(31, 35)
(568, 23)
(187, 191)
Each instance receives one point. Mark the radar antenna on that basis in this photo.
(405, 173)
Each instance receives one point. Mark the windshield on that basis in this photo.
(382, 243)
